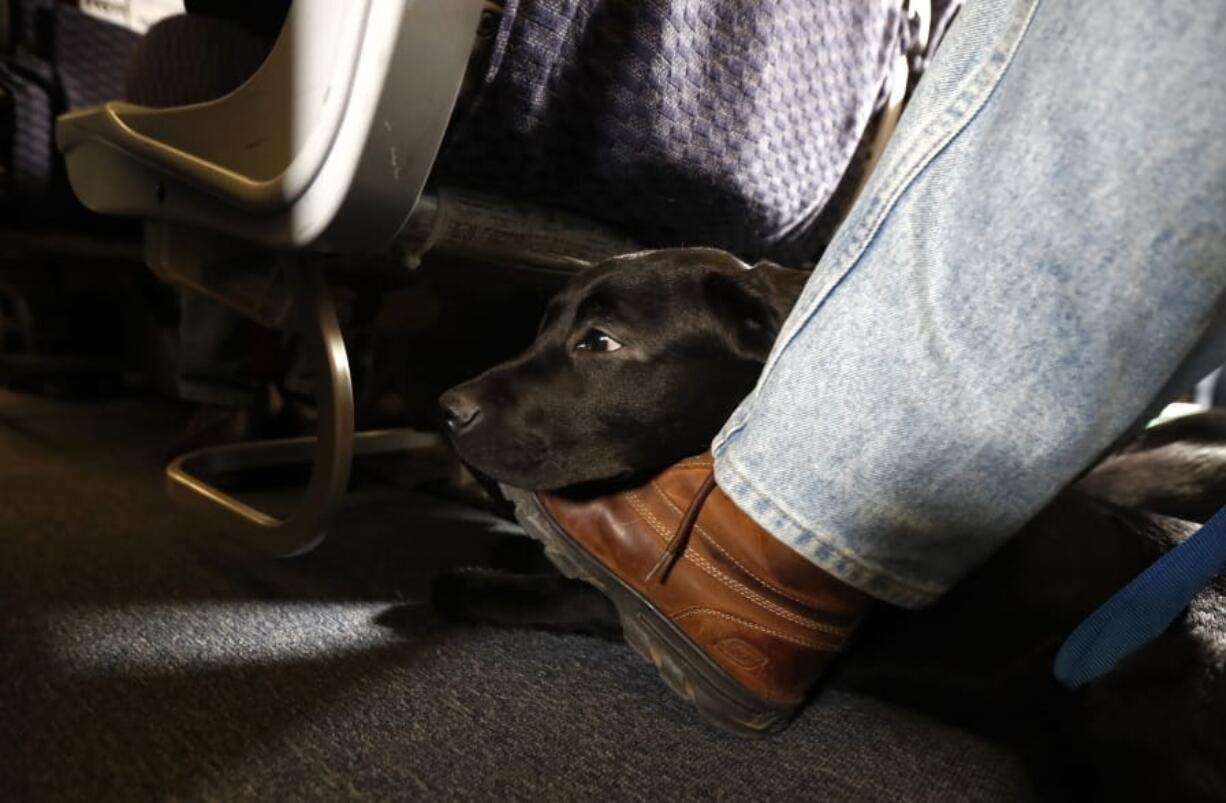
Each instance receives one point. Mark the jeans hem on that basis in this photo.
(826, 551)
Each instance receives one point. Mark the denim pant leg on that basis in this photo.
(1038, 259)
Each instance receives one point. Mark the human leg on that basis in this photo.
(1040, 257)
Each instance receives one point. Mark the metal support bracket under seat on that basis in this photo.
(331, 450)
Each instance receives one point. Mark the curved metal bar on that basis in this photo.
(333, 445)
(187, 484)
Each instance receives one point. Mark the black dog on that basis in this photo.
(637, 364)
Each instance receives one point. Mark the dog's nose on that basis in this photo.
(460, 410)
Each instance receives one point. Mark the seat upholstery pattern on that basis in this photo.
(726, 124)
(60, 59)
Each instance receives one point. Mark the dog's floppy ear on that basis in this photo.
(754, 303)
(783, 285)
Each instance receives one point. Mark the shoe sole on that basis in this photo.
(682, 665)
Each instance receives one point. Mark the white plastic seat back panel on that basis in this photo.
(329, 144)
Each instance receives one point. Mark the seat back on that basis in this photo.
(319, 148)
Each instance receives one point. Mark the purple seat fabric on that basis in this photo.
(678, 121)
(60, 59)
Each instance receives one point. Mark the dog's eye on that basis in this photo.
(598, 341)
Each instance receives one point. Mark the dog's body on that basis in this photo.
(637, 364)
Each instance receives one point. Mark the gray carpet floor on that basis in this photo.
(144, 657)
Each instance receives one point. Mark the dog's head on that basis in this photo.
(637, 363)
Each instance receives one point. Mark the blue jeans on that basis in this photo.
(1038, 262)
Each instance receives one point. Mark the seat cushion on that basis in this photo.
(678, 121)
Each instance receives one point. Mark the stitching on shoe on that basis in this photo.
(739, 588)
(813, 645)
(713, 543)
(729, 582)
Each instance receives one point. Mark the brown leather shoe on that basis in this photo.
(734, 620)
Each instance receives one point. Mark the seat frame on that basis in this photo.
(328, 147)
(349, 182)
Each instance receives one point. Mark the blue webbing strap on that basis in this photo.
(1144, 608)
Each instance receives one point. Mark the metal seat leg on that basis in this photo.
(331, 450)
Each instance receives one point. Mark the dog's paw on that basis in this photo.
(549, 601)
(520, 555)
(452, 594)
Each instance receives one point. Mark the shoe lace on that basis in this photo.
(676, 547)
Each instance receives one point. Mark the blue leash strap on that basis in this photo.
(1142, 610)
